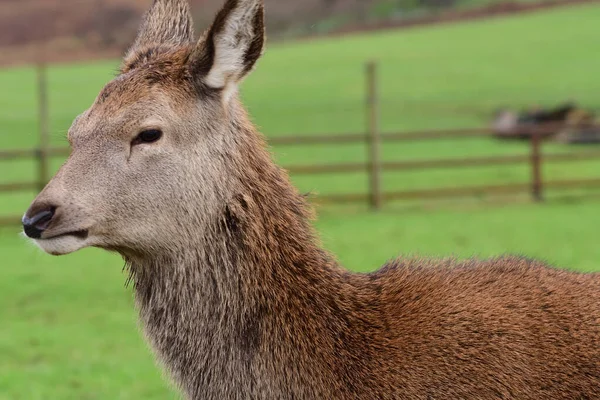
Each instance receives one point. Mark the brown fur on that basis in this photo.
(235, 294)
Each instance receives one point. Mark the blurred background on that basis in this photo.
(418, 127)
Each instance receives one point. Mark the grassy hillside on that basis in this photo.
(69, 329)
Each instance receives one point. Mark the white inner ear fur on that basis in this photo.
(231, 45)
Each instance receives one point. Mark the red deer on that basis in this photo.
(235, 294)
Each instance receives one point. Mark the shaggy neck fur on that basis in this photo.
(247, 309)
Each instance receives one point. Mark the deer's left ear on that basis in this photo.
(231, 47)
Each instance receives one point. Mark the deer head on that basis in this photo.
(156, 155)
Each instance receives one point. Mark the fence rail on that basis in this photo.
(374, 167)
(351, 138)
(439, 163)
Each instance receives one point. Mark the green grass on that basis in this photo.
(68, 325)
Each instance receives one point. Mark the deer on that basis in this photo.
(237, 297)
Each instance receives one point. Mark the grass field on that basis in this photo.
(68, 325)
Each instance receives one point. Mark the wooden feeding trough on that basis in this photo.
(566, 123)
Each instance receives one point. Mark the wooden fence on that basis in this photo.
(374, 167)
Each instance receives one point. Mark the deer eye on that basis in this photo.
(147, 136)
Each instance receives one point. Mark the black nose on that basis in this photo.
(36, 225)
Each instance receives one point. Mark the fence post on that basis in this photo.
(536, 166)
(374, 139)
(42, 154)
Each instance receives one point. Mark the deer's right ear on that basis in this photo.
(168, 23)
(231, 47)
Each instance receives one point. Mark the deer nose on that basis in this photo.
(35, 225)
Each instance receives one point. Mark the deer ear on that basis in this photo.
(168, 23)
(231, 47)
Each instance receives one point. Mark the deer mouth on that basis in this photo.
(80, 234)
(64, 243)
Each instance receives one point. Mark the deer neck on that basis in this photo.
(251, 295)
